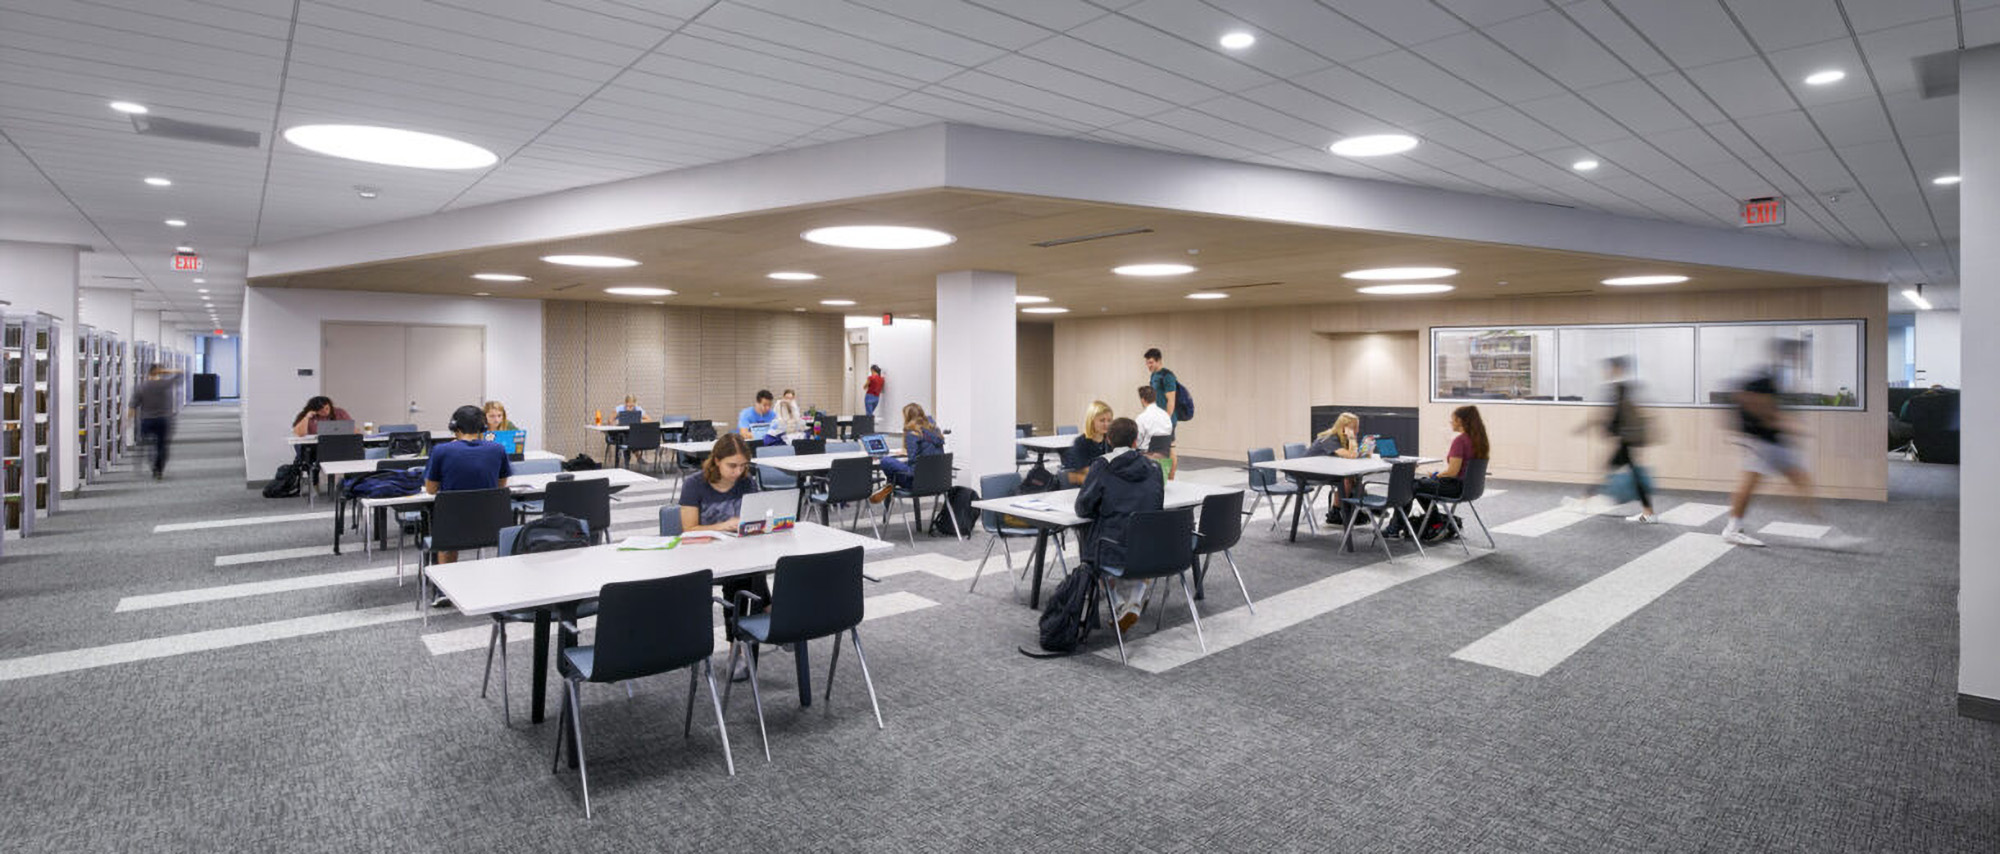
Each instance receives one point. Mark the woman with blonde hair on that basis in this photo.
(1342, 439)
(1090, 444)
(496, 416)
(921, 437)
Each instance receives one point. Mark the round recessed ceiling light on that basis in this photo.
(1584, 165)
(1404, 289)
(366, 192)
(1822, 78)
(590, 261)
(1373, 145)
(1153, 270)
(129, 107)
(1025, 299)
(481, 294)
(201, 290)
(1945, 180)
(1380, 274)
(1633, 281)
(1208, 295)
(878, 237)
(635, 291)
(792, 276)
(160, 182)
(390, 146)
(499, 277)
(1045, 309)
(1237, 40)
(200, 281)
(836, 302)
(177, 223)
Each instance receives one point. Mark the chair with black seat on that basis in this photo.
(1221, 527)
(808, 447)
(1265, 483)
(1385, 508)
(532, 507)
(338, 448)
(409, 443)
(1293, 451)
(829, 426)
(1157, 544)
(843, 447)
(670, 521)
(930, 477)
(848, 481)
(1472, 486)
(641, 438)
(1004, 486)
(498, 638)
(589, 500)
(644, 628)
(461, 519)
(388, 429)
(769, 478)
(822, 598)
(673, 434)
(860, 425)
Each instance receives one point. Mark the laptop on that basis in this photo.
(515, 441)
(765, 512)
(1368, 445)
(630, 417)
(876, 444)
(761, 429)
(341, 427)
(1386, 446)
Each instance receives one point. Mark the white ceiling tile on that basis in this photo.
(970, 109)
(416, 64)
(1821, 172)
(1410, 74)
(1153, 47)
(1389, 108)
(1463, 138)
(1574, 118)
(1743, 87)
(787, 35)
(1517, 129)
(1982, 26)
(966, 19)
(1482, 13)
(445, 30)
(1693, 147)
(1855, 121)
(1889, 51)
(1534, 170)
(592, 21)
(1637, 156)
(1058, 15)
(1203, 24)
(1617, 36)
(1052, 78)
(1243, 138)
(1783, 132)
(1477, 59)
(1840, 54)
(1287, 126)
(1028, 97)
(1690, 34)
(1313, 26)
(715, 60)
(724, 80)
(859, 21)
(1691, 99)
(1169, 137)
(1780, 24)
(1869, 17)
(1402, 22)
(1094, 61)
(1933, 156)
(1308, 106)
(1561, 49)
(1636, 106)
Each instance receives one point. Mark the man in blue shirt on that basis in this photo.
(466, 462)
(756, 421)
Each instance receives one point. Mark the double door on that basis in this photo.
(403, 373)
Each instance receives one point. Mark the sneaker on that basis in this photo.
(1644, 518)
(441, 601)
(1127, 618)
(882, 494)
(1738, 538)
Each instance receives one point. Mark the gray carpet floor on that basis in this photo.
(1793, 698)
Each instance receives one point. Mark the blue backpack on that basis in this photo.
(1183, 401)
(387, 484)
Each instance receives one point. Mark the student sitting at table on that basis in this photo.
(467, 462)
(496, 417)
(1090, 444)
(1343, 440)
(790, 420)
(921, 437)
(712, 500)
(1120, 483)
(1469, 444)
(631, 404)
(319, 408)
(758, 422)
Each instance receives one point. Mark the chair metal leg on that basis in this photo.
(909, 526)
(1347, 531)
(730, 684)
(506, 695)
(1411, 529)
(492, 640)
(576, 726)
(1239, 581)
(628, 689)
(1111, 605)
(831, 666)
(945, 502)
(1474, 507)
(1451, 520)
(1279, 511)
(562, 728)
(758, 696)
(721, 728)
(687, 724)
(854, 634)
(1192, 612)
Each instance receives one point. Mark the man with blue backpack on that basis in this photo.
(1170, 394)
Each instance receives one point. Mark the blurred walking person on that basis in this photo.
(1627, 427)
(1767, 437)
(152, 410)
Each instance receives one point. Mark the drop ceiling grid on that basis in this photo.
(489, 31)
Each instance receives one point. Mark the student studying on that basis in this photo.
(758, 421)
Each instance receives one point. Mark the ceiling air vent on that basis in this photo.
(1084, 238)
(1937, 74)
(196, 132)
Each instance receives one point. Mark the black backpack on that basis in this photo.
(1068, 616)
(1434, 528)
(958, 503)
(550, 533)
(1038, 479)
(1183, 401)
(287, 483)
(580, 462)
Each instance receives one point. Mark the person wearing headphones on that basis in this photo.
(466, 462)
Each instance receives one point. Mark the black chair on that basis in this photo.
(1472, 487)
(461, 519)
(931, 477)
(1158, 543)
(673, 435)
(409, 443)
(1221, 528)
(336, 448)
(829, 426)
(1005, 486)
(807, 447)
(643, 628)
(822, 598)
(497, 639)
(640, 438)
(699, 431)
(1401, 488)
(589, 500)
(860, 425)
(848, 481)
(1265, 483)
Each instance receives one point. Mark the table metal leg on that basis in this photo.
(1035, 567)
(1298, 501)
(339, 522)
(541, 688)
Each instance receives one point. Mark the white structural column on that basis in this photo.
(1979, 402)
(975, 370)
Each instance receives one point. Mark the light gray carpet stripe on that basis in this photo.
(1693, 514)
(182, 644)
(253, 588)
(275, 554)
(238, 521)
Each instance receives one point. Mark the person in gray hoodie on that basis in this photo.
(1119, 484)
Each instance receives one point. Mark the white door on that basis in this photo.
(444, 369)
(361, 368)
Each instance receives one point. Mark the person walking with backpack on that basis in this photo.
(1167, 394)
(1118, 485)
(1627, 427)
(152, 413)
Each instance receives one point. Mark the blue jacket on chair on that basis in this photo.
(1117, 486)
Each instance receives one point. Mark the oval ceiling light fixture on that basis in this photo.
(183, 249)
(1208, 295)
(499, 277)
(157, 181)
(1153, 270)
(1827, 77)
(1374, 145)
(390, 146)
(1390, 274)
(1236, 40)
(1045, 309)
(637, 291)
(792, 276)
(1026, 299)
(481, 294)
(130, 107)
(1946, 180)
(1404, 290)
(836, 302)
(1584, 165)
(201, 290)
(1638, 281)
(177, 223)
(590, 260)
(878, 237)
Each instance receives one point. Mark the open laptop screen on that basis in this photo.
(875, 444)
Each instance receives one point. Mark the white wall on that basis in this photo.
(281, 334)
(1937, 348)
(146, 325)
(904, 352)
(108, 309)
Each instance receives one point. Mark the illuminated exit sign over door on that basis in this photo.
(1765, 211)
(187, 262)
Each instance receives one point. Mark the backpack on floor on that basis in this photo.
(958, 503)
(551, 533)
(287, 482)
(580, 462)
(1436, 530)
(1067, 616)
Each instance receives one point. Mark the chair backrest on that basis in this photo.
(656, 625)
(1020, 450)
(409, 443)
(1066, 431)
(822, 595)
(670, 521)
(1221, 522)
(1472, 480)
(398, 428)
(842, 447)
(862, 425)
(399, 465)
(1261, 479)
(669, 419)
(643, 436)
(511, 532)
(536, 466)
(1294, 450)
(1158, 543)
(589, 500)
(470, 518)
(699, 431)
(997, 486)
(771, 478)
(1402, 483)
(851, 479)
(340, 447)
(828, 423)
(809, 446)
(931, 475)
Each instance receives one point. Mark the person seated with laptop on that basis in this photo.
(1154, 421)
(629, 412)
(759, 421)
(496, 416)
(318, 408)
(921, 437)
(1120, 483)
(712, 500)
(466, 462)
(1090, 444)
(791, 421)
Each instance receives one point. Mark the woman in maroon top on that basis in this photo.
(319, 408)
(1469, 444)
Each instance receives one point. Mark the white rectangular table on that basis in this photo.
(436, 436)
(1045, 445)
(1330, 469)
(545, 580)
(1178, 494)
(335, 470)
(522, 486)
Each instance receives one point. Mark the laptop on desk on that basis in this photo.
(766, 512)
(876, 444)
(515, 441)
(630, 417)
(1386, 446)
(341, 427)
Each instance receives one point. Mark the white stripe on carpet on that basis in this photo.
(1539, 640)
(276, 554)
(476, 637)
(172, 645)
(1795, 529)
(1545, 522)
(240, 521)
(254, 588)
(1693, 514)
(1175, 646)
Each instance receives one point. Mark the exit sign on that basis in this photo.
(1765, 211)
(188, 262)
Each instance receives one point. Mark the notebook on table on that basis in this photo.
(766, 512)
(336, 427)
